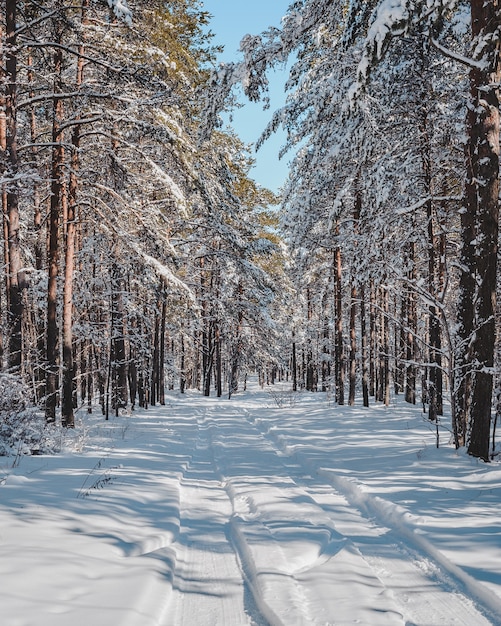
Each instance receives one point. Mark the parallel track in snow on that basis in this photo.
(441, 593)
(414, 582)
(266, 538)
(208, 587)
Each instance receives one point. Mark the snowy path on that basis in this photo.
(208, 586)
(215, 513)
(326, 555)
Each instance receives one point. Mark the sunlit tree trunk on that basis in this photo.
(56, 203)
(67, 416)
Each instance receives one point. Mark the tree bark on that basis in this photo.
(353, 347)
(16, 278)
(363, 349)
(56, 203)
(339, 348)
(482, 204)
(411, 307)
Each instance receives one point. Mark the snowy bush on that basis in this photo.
(284, 397)
(21, 426)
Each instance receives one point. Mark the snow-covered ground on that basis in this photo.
(269, 509)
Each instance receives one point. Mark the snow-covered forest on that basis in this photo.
(139, 255)
(148, 277)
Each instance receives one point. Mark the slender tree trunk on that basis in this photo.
(309, 354)
(294, 362)
(326, 362)
(442, 251)
(155, 362)
(118, 348)
(218, 364)
(434, 373)
(56, 203)
(482, 202)
(400, 346)
(372, 340)
(353, 347)
(132, 378)
(386, 345)
(16, 278)
(339, 347)
(161, 365)
(411, 307)
(363, 349)
(182, 362)
(67, 416)
(208, 358)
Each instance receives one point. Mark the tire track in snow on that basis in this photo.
(271, 538)
(458, 599)
(208, 588)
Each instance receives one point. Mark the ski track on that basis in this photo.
(264, 537)
(354, 539)
(208, 588)
(239, 525)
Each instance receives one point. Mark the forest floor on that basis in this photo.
(271, 509)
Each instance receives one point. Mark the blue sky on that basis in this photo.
(232, 19)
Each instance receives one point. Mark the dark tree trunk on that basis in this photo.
(482, 203)
(132, 378)
(118, 350)
(182, 364)
(155, 362)
(218, 364)
(161, 369)
(411, 307)
(339, 348)
(353, 347)
(16, 279)
(363, 349)
(294, 362)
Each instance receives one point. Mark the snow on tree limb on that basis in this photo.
(121, 10)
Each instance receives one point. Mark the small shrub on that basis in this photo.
(21, 426)
(284, 397)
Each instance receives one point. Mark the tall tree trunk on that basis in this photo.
(236, 356)
(161, 357)
(400, 347)
(294, 362)
(482, 202)
(353, 347)
(218, 363)
(16, 279)
(155, 362)
(386, 344)
(56, 203)
(310, 378)
(411, 307)
(339, 347)
(118, 349)
(363, 349)
(372, 339)
(434, 373)
(67, 416)
(182, 363)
